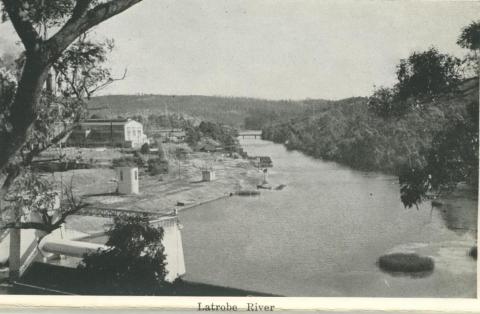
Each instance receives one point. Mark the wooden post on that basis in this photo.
(14, 254)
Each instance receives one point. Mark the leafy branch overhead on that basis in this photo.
(41, 206)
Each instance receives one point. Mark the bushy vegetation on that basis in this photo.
(226, 136)
(155, 121)
(134, 263)
(157, 166)
(137, 160)
(145, 149)
(406, 263)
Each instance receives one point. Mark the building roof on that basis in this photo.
(105, 120)
(109, 121)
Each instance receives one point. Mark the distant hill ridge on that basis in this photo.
(227, 110)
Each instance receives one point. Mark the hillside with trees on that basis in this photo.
(248, 113)
(423, 129)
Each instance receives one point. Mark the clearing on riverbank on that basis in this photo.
(161, 193)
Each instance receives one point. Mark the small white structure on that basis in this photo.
(208, 175)
(127, 180)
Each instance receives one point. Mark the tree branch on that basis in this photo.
(12, 174)
(22, 25)
(82, 20)
(44, 226)
(105, 84)
(80, 8)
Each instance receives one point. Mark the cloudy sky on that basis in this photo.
(278, 49)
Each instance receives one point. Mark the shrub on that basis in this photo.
(405, 262)
(137, 160)
(145, 149)
(157, 166)
(134, 263)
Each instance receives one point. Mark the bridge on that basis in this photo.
(250, 134)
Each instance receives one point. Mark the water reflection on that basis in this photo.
(459, 214)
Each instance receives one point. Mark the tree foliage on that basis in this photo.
(81, 71)
(452, 158)
(158, 166)
(33, 203)
(134, 263)
(385, 103)
(470, 39)
(428, 73)
(470, 36)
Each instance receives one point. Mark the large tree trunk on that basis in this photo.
(23, 110)
(23, 115)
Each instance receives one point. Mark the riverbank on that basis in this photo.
(352, 134)
(180, 189)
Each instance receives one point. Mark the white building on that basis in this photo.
(127, 180)
(112, 132)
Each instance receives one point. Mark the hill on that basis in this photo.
(351, 134)
(250, 113)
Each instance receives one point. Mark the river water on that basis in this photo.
(322, 234)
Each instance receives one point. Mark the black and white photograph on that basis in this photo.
(239, 148)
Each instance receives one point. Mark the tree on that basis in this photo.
(453, 155)
(134, 263)
(157, 166)
(80, 71)
(470, 39)
(37, 202)
(385, 103)
(28, 118)
(145, 149)
(428, 73)
(453, 158)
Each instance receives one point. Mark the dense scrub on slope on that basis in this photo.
(351, 134)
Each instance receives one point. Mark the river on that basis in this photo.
(322, 234)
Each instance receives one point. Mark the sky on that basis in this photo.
(274, 49)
